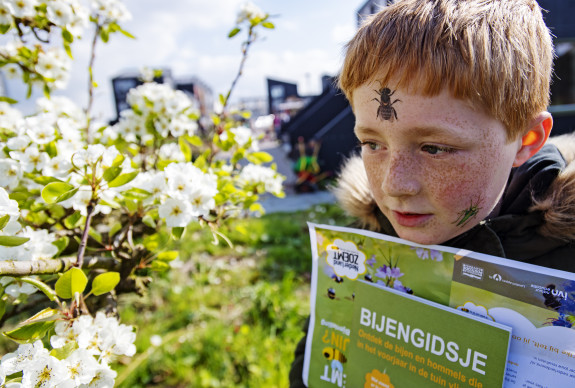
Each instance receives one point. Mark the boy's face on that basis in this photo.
(436, 166)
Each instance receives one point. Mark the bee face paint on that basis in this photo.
(386, 111)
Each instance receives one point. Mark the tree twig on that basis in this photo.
(251, 39)
(18, 268)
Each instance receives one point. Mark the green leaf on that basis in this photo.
(148, 220)
(58, 191)
(269, 25)
(65, 351)
(121, 180)
(49, 292)
(105, 282)
(132, 206)
(48, 314)
(112, 173)
(61, 244)
(13, 241)
(71, 282)
(118, 160)
(178, 232)
(195, 141)
(44, 180)
(2, 307)
(8, 100)
(4, 221)
(137, 194)
(222, 101)
(67, 36)
(234, 32)
(159, 266)
(259, 157)
(30, 333)
(126, 33)
(95, 235)
(185, 148)
(257, 208)
(115, 229)
(73, 220)
(168, 255)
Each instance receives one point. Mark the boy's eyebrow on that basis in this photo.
(365, 131)
(423, 131)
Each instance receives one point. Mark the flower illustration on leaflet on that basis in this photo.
(390, 273)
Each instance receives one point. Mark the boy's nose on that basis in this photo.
(401, 177)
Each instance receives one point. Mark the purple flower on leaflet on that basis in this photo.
(397, 285)
(424, 254)
(371, 261)
(388, 272)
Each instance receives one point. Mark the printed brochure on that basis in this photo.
(386, 312)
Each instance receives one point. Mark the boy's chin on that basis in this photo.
(433, 237)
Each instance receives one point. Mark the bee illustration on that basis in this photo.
(368, 277)
(551, 301)
(334, 354)
(331, 293)
(386, 111)
(464, 216)
(328, 270)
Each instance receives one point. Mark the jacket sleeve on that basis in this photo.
(296, 372)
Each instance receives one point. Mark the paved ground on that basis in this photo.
(292, 201)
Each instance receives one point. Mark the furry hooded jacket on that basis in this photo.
(534, 221)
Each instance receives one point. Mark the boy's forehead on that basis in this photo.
(419, 114)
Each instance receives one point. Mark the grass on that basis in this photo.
(227, 316)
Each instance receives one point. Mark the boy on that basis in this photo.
(450, 100)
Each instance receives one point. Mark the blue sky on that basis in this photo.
(190, 38)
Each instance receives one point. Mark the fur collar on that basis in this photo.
(557, 204)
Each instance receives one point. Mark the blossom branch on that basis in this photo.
(18, 268)
(251, 39)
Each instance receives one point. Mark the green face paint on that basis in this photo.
(464, 216)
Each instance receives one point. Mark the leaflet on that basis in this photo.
(405, 284)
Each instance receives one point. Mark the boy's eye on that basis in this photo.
(371, 145)
(437, 150)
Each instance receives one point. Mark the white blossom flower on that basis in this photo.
(10, 173)
(155, 340)
(59, 12)
(171, 151)
(5, 14)
(153, 182)
(249, 11)
(177, 213)
(81, 367)
(15, 287)
(25, 355)
(42, 133)
(253, 174)
(111, 9)
(32, 159)
(9, 117)
(59, 167)
(105, 378)
(18, 143)
(46, 371)
(22, 8)
(80, 21)
(242, 135)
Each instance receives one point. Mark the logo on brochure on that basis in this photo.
(496, 277)
(472, 271)
(346, 259)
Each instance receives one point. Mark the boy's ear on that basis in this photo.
(535, 138)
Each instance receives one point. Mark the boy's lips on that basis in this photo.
(408, 219)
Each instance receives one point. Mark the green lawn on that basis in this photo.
(228, 316)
